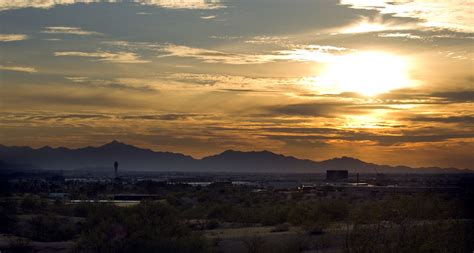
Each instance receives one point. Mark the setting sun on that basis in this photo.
(367, 73)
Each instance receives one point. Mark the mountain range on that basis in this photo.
(132, 158)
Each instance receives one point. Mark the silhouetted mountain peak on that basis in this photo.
(346, 159)
(117, 145)
(237, 154)
(114, 143)
(229, 151)
(136, 158)
(348, 163)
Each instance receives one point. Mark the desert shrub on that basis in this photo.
(19, 245)
(432, 236)
(211, 224)
(294, 244)
(308, 214)
(7, 223)
(32, 204)
(281, 228)
(401, 208)
(60, 207)
(147, 227)
(81, 210)
(255, 244)
(221, 211)
(335, 210)
(273, 214)
(7, 216)
(50, 228)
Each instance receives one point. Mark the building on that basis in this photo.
(337, 175)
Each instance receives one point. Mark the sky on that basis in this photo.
(385, 81)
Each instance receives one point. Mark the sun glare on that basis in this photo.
(367, 73)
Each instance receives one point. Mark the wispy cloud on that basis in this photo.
(377, 24)
(119, 83)
(266, 40)
(77, 79)
(67, 117)
(53, 39)
(453, 14)
(169, 4)
(12, 37)
(199, 82)
(400, 35)
(290, 52)
(428, 36)
(208, 17)
(224, 37)
(184, 4)
(116, 57)
(68, 30)
(234, 82)
(467, 119)
(164, 117)
(329, 109)
(18, 69)
(212, 56)
(315, 53)
(310, 53)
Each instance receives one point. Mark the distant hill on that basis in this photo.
(261, 161)
(132, 158)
